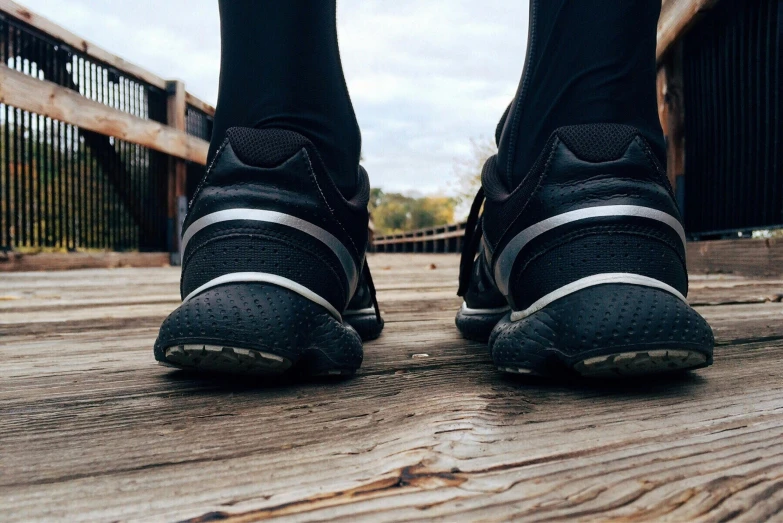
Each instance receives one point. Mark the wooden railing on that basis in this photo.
(677, 17)
(444, 238)
(95, 152)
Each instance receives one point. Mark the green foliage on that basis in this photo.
(394, 213)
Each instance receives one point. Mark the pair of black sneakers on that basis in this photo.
(579, 268)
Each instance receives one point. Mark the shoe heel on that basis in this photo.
(477, 324)
(365, 322)
(606, 330)
(257, 328)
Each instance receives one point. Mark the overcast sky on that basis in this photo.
(425, 76)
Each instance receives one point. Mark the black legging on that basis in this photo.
(589, 61)
(280, 68)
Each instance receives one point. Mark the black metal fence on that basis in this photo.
(68, 188)
(733, 84)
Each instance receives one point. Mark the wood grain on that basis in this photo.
(48, 261)
(674, 100)
(176, 109)
(677, 16)
(49, 99)
(91, 429)
(746, 257)
(201, 105)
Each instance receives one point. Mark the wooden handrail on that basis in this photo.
(76, 42)
(202, 106)
(677, 16)
(60, 103)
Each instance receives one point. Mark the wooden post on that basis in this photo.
(177, 200)
(672, 111)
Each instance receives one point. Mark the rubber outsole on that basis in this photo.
(257, 329)
(638, 363)
(613, 330)
(231, 360)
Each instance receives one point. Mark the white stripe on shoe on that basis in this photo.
(592, 281)
(262, 277)
(467, 311)
(260, 215)
(505, 260)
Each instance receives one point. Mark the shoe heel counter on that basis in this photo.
(595, 165)
(266, 214)
(266, 251)
(286, 183)
(607, 212)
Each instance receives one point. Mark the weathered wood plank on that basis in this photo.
(673, 94)
(89, 426)
(49, 99)
(202, 106)
(176, 107)
(752, 258)
(16, 261)
(677, 16)
(70, 39)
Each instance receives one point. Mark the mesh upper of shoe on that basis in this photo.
(265, 147)
(597, 142)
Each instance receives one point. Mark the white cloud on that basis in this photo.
(425, 76)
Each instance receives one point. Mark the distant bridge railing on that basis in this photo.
(443, 238)
(95, 152)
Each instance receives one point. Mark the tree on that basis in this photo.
(468, 170)
(393, 213)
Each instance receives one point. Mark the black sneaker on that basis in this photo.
(272, 256)
(589, 254)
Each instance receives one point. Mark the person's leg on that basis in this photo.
(589, 62)
(273, 272)
(280, 69)
(582, 263)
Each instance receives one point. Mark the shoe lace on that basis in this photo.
(470, 243)
(371, 286)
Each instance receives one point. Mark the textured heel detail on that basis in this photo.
(217, 358)
(613, 329)
(262, 277)
(640, 362)
(593, 281)
(257, 328)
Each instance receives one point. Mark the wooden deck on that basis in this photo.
(91, 427)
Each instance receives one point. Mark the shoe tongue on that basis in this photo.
(265, 147)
